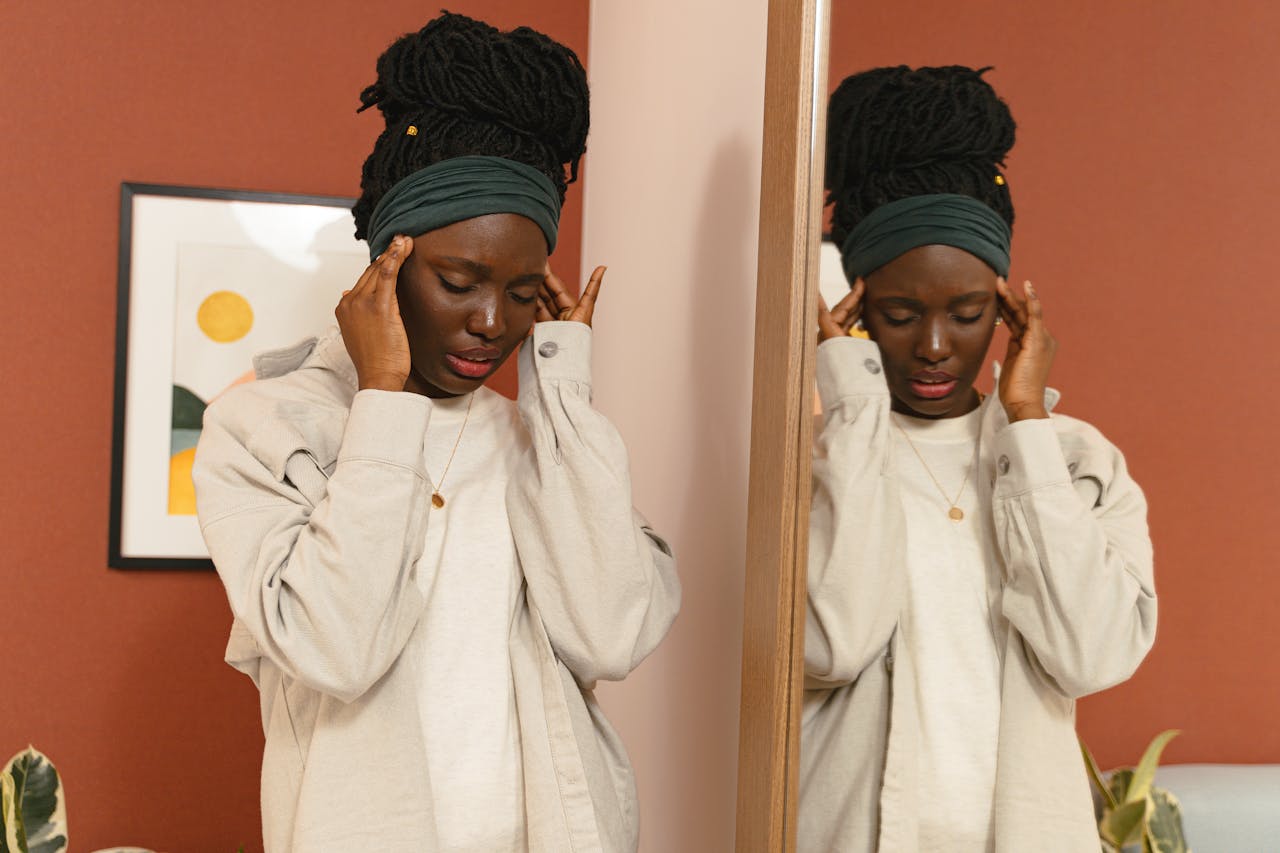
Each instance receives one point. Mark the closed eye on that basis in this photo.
(451, 287)
(899, 321)
(523, 300)
(962, 319)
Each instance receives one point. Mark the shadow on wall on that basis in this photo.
(711, 527)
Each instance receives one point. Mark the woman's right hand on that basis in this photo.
(369, 317)
(836, 322)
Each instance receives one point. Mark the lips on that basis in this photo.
(933, 385)
(474, 363)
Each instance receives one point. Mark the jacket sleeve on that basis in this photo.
(856, 580)
(320, 573)
(1079, 585)
(603, 581)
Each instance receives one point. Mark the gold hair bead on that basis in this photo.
(412, 131)
(999, 180)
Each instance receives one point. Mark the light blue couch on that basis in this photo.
(1227, 808)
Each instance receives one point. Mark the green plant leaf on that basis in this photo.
(37, 794)
(1119, 781)
(1095, 776)
(11, 837)
(1124, 825)
(1145, 773)
(1164, 824)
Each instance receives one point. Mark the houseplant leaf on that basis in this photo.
(1096, 776)
(1164, 824)
(1124, 825)
(1119, 782)
(37, 794)
(11, 838)
(1145, 773)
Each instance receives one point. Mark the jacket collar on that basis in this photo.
(327, 351)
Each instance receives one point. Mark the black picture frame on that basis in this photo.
(130, 194)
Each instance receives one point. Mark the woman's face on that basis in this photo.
(932, 311)
(468, 294)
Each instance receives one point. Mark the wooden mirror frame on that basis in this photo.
(781, 425)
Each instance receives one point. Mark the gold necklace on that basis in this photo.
(437, 499)
(955, 513)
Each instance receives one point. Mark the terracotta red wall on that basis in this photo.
(118, 676)
(1146, 183)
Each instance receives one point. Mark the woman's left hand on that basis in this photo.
(555, 303)
(1025, 371)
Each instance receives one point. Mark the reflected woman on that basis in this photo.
(428, 579)
(976, 564)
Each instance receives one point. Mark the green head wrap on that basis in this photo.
(462, 188)
(924, 220)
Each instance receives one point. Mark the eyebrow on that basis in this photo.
(906, 302)
(486, 272)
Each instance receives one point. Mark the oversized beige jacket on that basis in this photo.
(314, 501)
(1074, 583)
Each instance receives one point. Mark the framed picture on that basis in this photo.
(207, 279)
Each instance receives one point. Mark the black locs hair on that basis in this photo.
(896, 132)
(459, 87)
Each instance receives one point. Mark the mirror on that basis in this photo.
(951, 661)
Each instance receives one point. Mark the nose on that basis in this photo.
(934, 343)
(487, 319)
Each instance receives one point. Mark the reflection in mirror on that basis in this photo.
(980, 556)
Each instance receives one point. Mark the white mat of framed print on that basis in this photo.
(208, 278)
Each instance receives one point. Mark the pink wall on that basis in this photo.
(118, 676)
(1146, 184)
(672, 205)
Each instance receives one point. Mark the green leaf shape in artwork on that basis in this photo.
(1145, 773)
(37, 794)
(188, 409)
(12, 839)
(1124, 825)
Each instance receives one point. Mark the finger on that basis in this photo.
(1005, 308)
(827, 327)
(1035, 308)
(384, 287)
(1019, 305)
(560, 298)
(1013, 310)
(1011, 322)
(369, 274)
(586, 307)
(848, 309)
(544, 310)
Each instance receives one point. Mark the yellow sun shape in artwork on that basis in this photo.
(225, 316)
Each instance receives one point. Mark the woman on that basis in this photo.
(976, 563)
(428, 579)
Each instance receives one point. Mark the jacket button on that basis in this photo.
(1071, 469)
(1003, 464)
(548, 349)
(872, 366)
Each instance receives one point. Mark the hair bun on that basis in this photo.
(461, 87)
(474, 72)
(896, 132)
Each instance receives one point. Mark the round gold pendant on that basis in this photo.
(437, 501)
(956, 514)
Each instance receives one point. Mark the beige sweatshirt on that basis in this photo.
(1073, 584)
(314, 500)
